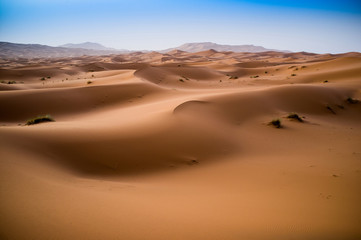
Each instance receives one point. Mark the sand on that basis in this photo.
(179, 146)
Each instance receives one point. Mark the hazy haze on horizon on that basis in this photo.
(313, 26)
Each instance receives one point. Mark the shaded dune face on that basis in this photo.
(176, 76)
(64, 102)
(94, 153)
(123, 155)
(197, 131)
(179, 145)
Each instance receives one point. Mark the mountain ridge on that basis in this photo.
(19, 50)
(204, 46)
(88, 45)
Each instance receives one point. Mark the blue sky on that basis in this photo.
(313, 26)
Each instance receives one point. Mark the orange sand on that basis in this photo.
(178, 146)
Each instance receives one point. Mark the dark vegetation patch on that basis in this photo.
(352, 101)
(294, 116)
(40, 119)
(276, 123)
(329, 108)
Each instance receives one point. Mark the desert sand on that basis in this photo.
(179, 146)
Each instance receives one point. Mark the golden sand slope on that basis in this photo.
(178, 146)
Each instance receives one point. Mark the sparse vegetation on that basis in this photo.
(352, 101)
(341, 106)
(326, 81)
(192, 162)
(40, 119)
(295, 117)
(181, 80)
(48, 77)
(8, 82)
(291, 67)
(42, 79)
(256, 76)
(89, 82)
(329, 108)
(293, 75)
(233, 77)
(276, 123)
(303, 67)
(265, 72)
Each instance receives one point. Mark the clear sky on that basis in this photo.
(305, 25)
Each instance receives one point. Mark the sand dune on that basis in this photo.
(179, 146)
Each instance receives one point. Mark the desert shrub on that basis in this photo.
(256, 76)
(295, 117)
(293, 75)
(42, 79)
(89, 82)
(276, 123)
(40, 119)
(351, 100)
(329, 108)
(11, 82)
(326, 81)
(192, 162)
(233, 77)
(181, 80)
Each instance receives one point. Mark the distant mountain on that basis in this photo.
(16, 50)
(87, 45)
(204, 46)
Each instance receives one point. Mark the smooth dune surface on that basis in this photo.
(180, 146)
